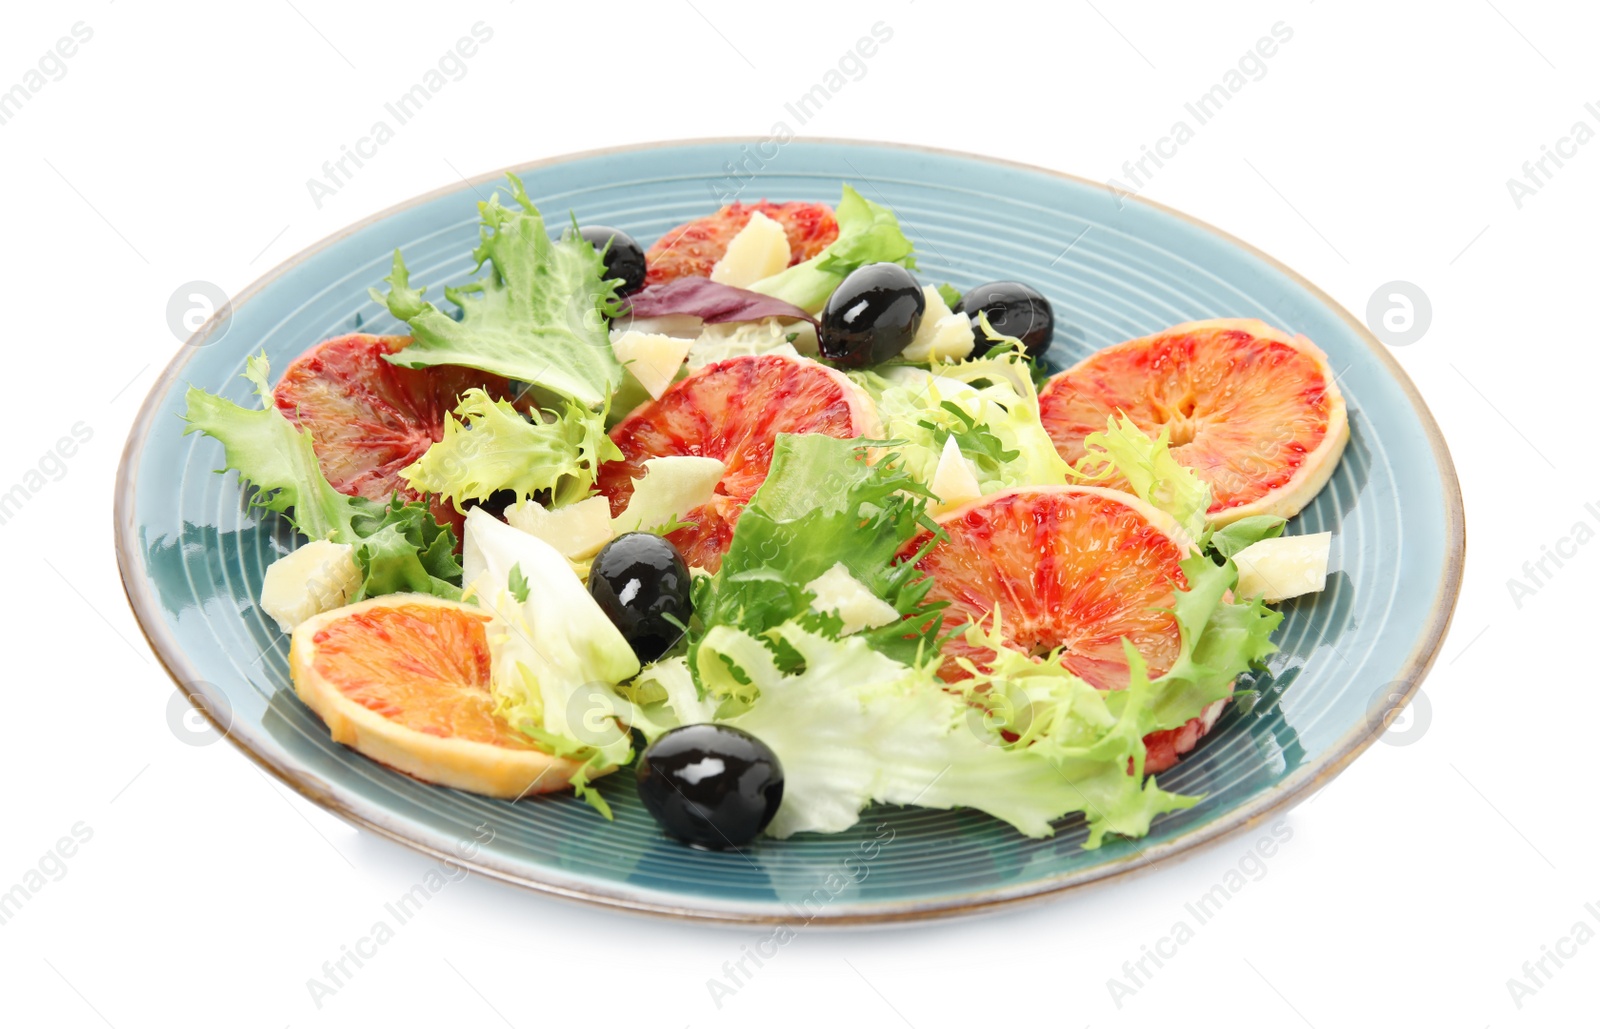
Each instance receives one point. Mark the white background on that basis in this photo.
(177, 147)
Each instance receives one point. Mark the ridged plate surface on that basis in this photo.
(193, 554)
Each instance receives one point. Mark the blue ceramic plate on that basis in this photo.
(192, 553)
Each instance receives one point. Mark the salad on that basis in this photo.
(762, 519)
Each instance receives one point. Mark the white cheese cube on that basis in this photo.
(954, 481)
(760, 249)
(841, 593)
(941, 335)
(652, 358)
(670, 489)
(1289, 566)
(575, 531)
(317, 577)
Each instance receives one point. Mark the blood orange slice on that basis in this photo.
(369, 418)
(1255, 412)
(733, 411)
(1079, 568)
(404, 679)
(692, 248)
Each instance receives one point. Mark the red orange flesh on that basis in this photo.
(370, 419)
(692, 248)
(1253, 411)
(1070, 567)
(733, 411)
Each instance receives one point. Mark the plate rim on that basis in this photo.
(1277, 799)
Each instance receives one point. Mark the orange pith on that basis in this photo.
(733, 411)
(1244, 409)
(424, 667)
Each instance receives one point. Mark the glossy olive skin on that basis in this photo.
(871, 316)
(495, 503)
(642, 584)
(711, 786)
(1013, 309)
(624, 259)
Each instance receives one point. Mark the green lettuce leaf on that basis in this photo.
(400, 547)
(1221, 639)
(539, 316)
(823, 504)
(555, 658)
(852, 726)
(869, 233)
(952, 296)
(275, 456)
(1127, 459)
(405, 550)
(489, 446)
(988, 404)
(1024, 740)
(1232, 538)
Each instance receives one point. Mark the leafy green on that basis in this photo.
(539, 316)
(404, 549)
(1125, 458)
(1232, 538)
(823, 503)
(851, 726)
(869, 233)
(1221, 639)
(987, 404)
(517, 584)
(489, 446)
(555, 658)
(949, 294)
(399, 546)
(275, 455)
(977, 443)
(1024, 740)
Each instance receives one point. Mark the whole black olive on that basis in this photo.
(871, 316)
(622, 253)
(642, 584)
(1013, 309)
(710, 785)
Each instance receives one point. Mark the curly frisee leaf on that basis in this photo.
(489, 446)
(540, 315)
(400, 547)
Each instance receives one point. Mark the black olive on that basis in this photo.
(871, 316)
(1013, 309)
(712, 786)
(495, 503)
(642, 584)
(624, 256)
